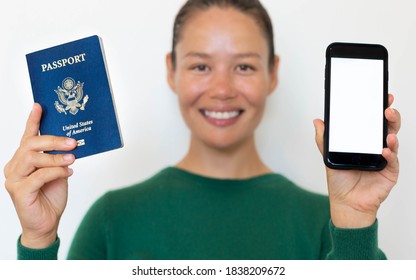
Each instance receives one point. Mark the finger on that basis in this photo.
(41, 160)
(33, 160)
(45, 175)
(27, 157)
(391, 153)
(392, 160)
(319, 134)
(48, 143)
(390, 99)
(33, 122)
(393, 143)
(37, 180)
(394, 120)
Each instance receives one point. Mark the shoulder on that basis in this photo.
(299, 206)
(288, 188)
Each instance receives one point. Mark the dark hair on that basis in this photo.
(250, 7)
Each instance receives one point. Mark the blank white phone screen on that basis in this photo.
(356, 106)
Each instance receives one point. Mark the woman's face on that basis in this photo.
(222, 76)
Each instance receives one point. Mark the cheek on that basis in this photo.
(189, 90)
(253, 90)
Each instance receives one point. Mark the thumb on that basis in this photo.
(33, 122)
(319, 134)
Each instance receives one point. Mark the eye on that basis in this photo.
(200, 68)
(245, 68)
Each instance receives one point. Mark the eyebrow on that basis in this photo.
(248, 54)
(206, 56)
(197, 54)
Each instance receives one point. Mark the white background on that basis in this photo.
(137, 35)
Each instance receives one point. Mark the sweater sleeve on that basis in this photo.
(49, 253)
(354, 244)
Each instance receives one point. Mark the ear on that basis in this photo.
(274, 74)
(170, 71)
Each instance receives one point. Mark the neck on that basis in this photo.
(238, 162)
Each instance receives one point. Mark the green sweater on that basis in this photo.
(180, 215)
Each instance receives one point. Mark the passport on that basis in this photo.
(71, 83)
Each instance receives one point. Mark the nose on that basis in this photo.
(222, 86)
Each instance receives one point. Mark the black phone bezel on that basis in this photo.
(358, 161)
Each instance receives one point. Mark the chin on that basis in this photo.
(224, 142)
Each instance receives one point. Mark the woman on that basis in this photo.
(220, 201)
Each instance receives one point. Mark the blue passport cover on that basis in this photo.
(71, 83)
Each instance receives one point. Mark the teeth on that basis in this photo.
(221, 115)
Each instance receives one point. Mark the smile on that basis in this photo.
(221, 118)
(221, 115)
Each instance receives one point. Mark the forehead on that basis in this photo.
(225, 29)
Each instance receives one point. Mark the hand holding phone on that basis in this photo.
(356, 96)
(357, 190)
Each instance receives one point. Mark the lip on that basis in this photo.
(221, 117)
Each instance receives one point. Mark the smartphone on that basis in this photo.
(356, 96)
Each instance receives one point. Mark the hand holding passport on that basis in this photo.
(71, 83)
(77, 118)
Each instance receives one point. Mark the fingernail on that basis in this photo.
(70, 171)
(69, 141)
(68, 158)
(33, 108)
